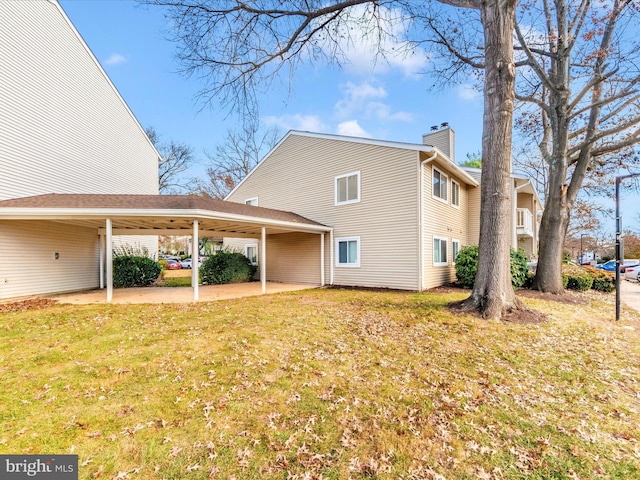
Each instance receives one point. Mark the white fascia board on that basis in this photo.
(455, 168)
(277, 145)
(95, 213)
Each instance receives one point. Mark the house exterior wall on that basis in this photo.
(63, 129)
(300, 175)
(443, 220)
(29, 266)
(473, 209)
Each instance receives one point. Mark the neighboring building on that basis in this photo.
(64, 129)
(399, 212)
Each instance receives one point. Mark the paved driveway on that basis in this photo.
(630, 294)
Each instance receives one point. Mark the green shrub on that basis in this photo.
(467, 267)
(578, 278)
(603, 281)
(134, 271)
(226, 267)
(519, 268)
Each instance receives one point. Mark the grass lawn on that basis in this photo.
(324, 384)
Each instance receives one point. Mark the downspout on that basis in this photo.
(421, 223)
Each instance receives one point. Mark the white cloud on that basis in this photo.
(467, 92)
(353, 129)
(373, 40)
(362, 99)
(308, 123)
(115, 59)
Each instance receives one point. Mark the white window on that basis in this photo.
(455, 249)
(251, 252)
(252, 201)
(348, 252)
(439, 251)
(348, 188)
(439, 185)
(455, 193)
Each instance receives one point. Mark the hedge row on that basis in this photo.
(585, 278)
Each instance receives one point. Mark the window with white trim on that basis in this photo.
(439, 185)
(252, 201)
(348, 252)
(455, 249)
(348, 188)
(251, 252)
(439, 251)
(455, 193)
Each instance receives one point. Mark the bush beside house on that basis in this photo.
(226, 267)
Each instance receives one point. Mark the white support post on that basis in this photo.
(331, 260)
(322, 260)
(263, 259)
(195, 244)
(109, 257)
(102, 255)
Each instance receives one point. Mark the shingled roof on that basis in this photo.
(175, 206)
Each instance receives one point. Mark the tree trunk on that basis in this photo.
(492, 293)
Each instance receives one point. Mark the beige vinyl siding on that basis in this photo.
(294, 258)
(442, 220)
(63, 127)
(291, 257)
(27, 258)
(299, 176)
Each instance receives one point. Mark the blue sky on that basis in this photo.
(388, 101)
(363, 98)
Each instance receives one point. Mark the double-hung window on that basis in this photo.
(348, 188)
(455, 193)
(440, 181)
(251, 252)
(455, 249)
(439, 251)
(348, 252)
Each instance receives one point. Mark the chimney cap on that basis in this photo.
(434, 128)
(444, 124)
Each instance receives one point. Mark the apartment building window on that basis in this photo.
(455, 193)
(439, 185)
(455, 249)
(252, 201)
(348, 188)
(439, 251)
(348, 252)
(251, 252)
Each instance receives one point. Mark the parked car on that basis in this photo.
(632, 273)
(173, 265)
(186, 263)
(623, 268)
(610, 266)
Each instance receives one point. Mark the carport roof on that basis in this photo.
(156, 214)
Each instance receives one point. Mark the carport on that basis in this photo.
(153, 215)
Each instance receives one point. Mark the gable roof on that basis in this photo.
(166, 213)
(416, 147)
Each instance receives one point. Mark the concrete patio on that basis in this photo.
(207, 293)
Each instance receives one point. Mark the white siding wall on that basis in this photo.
(63, 129)
(300, 176)
(27, 258)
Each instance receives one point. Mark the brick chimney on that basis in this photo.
(443, 138)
